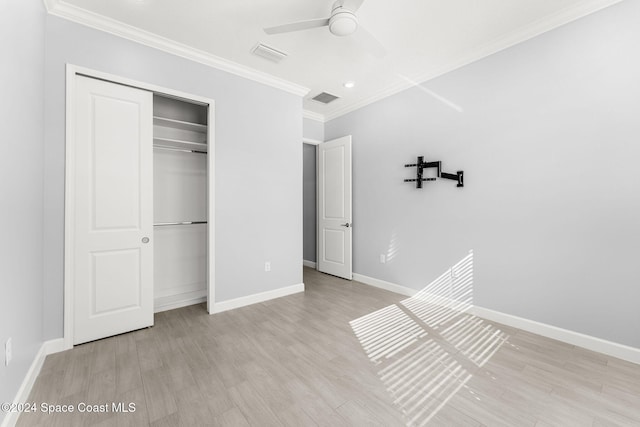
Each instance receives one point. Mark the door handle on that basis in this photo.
(346, 225)
(145, 240)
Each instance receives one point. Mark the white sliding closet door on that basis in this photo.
(113, 212)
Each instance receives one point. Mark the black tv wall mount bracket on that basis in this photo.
(421, 165)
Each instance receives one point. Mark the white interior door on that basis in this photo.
(113, 212)
(334, 207)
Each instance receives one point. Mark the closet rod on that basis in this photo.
(160, 224)
(179, 149)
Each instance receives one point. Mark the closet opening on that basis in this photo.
(180, 202)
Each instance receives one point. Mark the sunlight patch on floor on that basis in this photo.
(429, 346)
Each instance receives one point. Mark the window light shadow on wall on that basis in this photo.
(431, 93)
(427, 347)
(393, 248)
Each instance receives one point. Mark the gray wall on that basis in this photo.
(258, 148)
(21, 160)
(309, 202)
(313, 129)
(548, 139)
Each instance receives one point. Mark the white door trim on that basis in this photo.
(311, 141)
(69, 220)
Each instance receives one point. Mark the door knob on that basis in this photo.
(145, 240)
(346, 225)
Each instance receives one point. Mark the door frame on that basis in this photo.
(309, 263)
(69, 199)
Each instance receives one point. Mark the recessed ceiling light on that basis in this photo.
(349, 84)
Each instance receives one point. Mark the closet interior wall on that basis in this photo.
(180, 202)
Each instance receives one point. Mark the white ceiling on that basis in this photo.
(423, 38)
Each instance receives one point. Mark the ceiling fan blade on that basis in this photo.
(297, 26)
(369, 42)
(352, 5)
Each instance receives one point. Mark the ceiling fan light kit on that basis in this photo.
(343, 22)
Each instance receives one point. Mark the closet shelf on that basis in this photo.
(161, 224)
(179, 124)
(179, 144)
(182, 150)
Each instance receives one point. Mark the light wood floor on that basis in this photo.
(340, 354)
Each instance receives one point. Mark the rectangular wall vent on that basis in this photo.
(268, 52)
(325, 98)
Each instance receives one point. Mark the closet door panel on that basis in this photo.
(115, 164)
(115, 282)
(113, 227)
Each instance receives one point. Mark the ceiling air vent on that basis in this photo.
(268, 52)
(325, 98)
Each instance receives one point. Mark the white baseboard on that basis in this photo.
(47, 347)
(177, 301)
(388, 286)
(54, 346)
(219, 307)
(589, 342)
(306, 263)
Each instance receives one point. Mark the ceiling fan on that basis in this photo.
(342, 22)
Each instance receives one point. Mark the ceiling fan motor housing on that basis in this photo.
(343, 22)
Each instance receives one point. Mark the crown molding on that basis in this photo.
(120, 29)
(84, 17)
(525, 33)
(313, 116)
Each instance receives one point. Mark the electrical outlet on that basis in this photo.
(8, 352)
(267, 266)
(383, 258)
